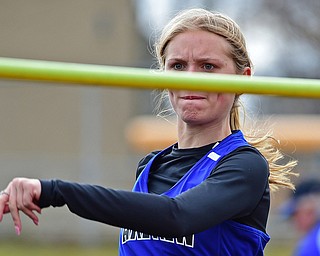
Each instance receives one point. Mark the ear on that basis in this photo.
(246, 71)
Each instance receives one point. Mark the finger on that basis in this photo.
(30, 198)
(24, 201)
(14, 210)
(6, 209)
(28, 206)
(4, 197)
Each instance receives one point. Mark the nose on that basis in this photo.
(191, 68)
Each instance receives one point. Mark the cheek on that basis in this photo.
(171, 94)
(172, 98)
(227, 100)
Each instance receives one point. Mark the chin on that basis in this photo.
(192, 120)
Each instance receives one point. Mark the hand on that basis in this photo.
(21, 195)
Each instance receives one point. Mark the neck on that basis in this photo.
(191, 136)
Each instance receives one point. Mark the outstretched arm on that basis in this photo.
(21, 195)
(205, 205)
(208, 204)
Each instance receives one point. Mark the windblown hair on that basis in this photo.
(217, 23)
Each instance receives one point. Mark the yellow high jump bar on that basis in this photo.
(100, 75)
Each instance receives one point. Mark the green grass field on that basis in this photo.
(34, 249)
(40, 249)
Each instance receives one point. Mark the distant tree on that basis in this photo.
(299, 22)
(302, 17)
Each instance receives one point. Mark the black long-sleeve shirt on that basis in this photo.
(237, 189)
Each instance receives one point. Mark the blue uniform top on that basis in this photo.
(309, 245)
(226, 238)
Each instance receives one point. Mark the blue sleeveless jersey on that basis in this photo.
(227, 238)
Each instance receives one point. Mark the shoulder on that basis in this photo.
(246, 160)
(143, 162)
(148, 157)
(245, 154)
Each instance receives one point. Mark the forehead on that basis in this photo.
(198, 41)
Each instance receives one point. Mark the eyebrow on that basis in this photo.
(198, 59)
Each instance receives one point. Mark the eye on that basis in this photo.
(178, 66)
(208, 67)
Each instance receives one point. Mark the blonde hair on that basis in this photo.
(222, 25)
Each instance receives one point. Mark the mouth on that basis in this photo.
(192, 97)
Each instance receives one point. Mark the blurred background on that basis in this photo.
(78, 133)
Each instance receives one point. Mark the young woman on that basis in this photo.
(208, 194)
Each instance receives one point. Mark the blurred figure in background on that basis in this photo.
(304, 210)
